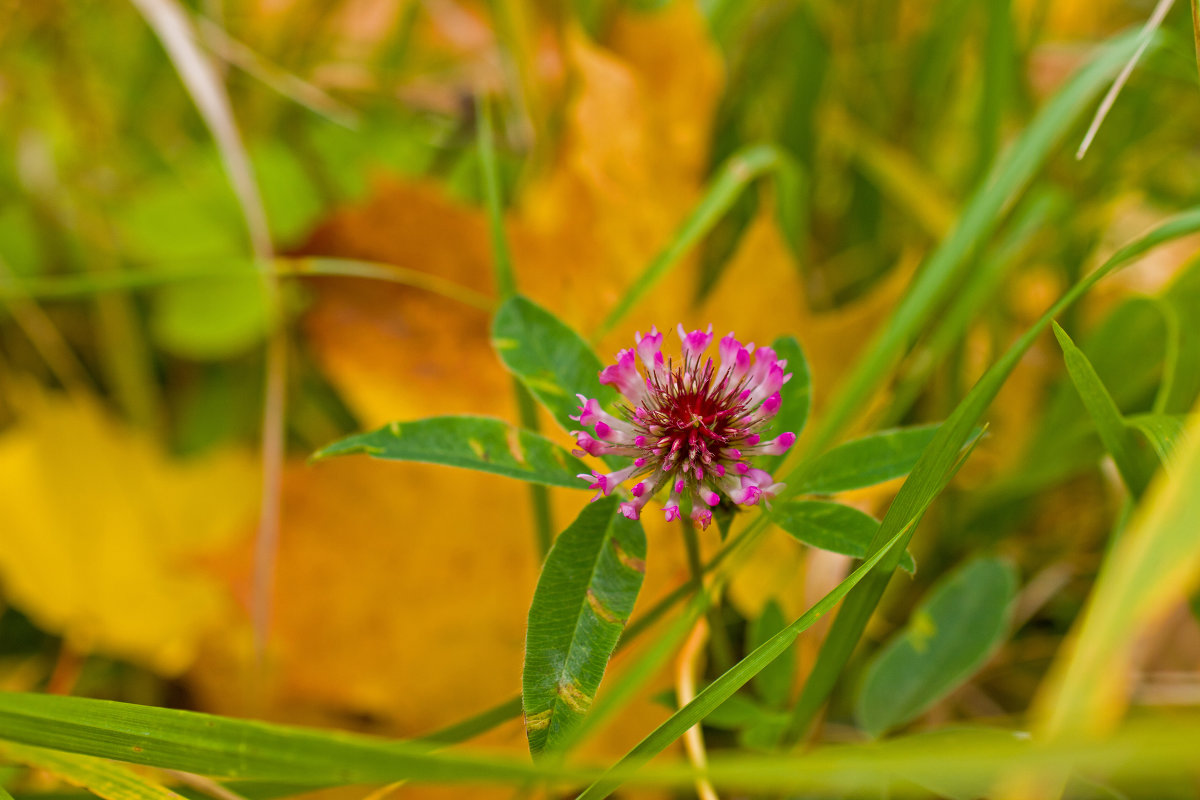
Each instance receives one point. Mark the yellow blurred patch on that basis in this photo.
(104, 533)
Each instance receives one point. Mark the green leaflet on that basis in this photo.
(831, 526)
(948, 637)
(796, 396)
(549, 358)
(99, 776)
(872, 459)
(1133, 461)
(584, 597)
(482, 443)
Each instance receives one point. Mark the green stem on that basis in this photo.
(506, 286)
(720, 647)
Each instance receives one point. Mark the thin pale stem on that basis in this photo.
(174, 30)
(722, 650)
(689, 667)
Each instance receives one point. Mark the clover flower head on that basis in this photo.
(688, 427)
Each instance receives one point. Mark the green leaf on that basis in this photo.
(213, 319)
(584, 597)
(1118, 439)
(796, 395)
(99, 776)
(863, 462)
(774, 683)
(831, 526)
(482, 443)
(949, 636)
(1163, 432)
(549, 358)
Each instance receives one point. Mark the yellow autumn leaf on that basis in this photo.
(104, 533)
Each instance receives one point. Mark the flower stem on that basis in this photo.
(506, 286)
(719, 645)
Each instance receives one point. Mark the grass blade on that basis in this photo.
(1162, 432)
(1116, 436)
(173, 28)
(983, 212)
(923, 485)
(1110, 98)
(1152, 567)
(734, 176)
(236, 749)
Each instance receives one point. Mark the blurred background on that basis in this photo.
(225, 217)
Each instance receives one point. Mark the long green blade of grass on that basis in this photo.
(228, 748)
(923, 484)
(982, 214)
(734, 176)
(1153, 566)
(1120, 442)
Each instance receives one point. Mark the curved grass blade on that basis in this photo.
(584, 597)
(1148, 754)
(1150, 568)
(481, 443)
(1010, 176)
(863, 462)
(720, 690)
(1163, 432)
(797, 396)
(949, 636)
(927, 477)
(1119, 440)
(734, 176)
(551, 360)
(831, 526)
(99, 776)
